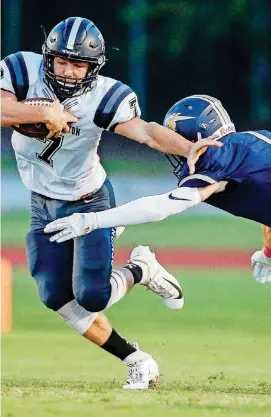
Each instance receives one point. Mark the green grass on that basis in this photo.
(114, 165)
(186, 231)
(214, 355)
(136, 166)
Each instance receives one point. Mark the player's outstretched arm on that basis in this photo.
(160, 138)
(155, 136)
(261, 260)
(144, 210)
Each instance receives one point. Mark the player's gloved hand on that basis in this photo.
(262, 267)
(77, 224)
(199, 148)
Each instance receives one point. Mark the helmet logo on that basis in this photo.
(226, 129)
(53, 39)
(66, 51)
(172, 119)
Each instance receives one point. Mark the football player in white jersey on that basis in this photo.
(64, 174)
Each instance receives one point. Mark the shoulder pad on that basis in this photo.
(24, 69)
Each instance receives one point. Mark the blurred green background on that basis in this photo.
(167, 50)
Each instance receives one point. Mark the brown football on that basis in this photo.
(35, 130)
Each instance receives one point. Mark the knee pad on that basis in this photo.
(98, 299)
(77, 317)
(51, 296)
(92, 298)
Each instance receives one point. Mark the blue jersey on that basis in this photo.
(245, 162)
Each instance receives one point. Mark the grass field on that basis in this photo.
(214, 355)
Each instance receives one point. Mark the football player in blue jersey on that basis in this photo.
(235, 177)
(65, 176)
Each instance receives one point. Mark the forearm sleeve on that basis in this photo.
(150, 209)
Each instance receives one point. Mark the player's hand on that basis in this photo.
(199, 148)
(76, 225)
(57, 119)
(261, 267)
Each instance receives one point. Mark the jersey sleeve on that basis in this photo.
(14, 75)
(118, 105)
(204, 176)
(199, 180)
(216, 164)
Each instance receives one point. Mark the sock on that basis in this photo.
(136, 271)
(118, 346)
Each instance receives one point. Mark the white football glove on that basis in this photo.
(262, 267)
(77, 224)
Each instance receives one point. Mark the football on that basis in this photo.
(35, 130)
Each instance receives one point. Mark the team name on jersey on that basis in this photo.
(75, 131)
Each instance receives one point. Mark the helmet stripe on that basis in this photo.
(224, 116)
(68, 24)
(219, 107)
(73, 33)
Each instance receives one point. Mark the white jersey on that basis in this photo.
(69, 167)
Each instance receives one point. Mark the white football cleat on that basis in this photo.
(156, 278)
(143, 370)
(262, 267)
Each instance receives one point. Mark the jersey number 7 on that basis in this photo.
(52, 147)
(133, 106)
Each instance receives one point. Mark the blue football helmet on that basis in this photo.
(196, 117)
(77, 39)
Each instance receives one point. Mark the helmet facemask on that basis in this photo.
(177, 162)
(66, 87)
